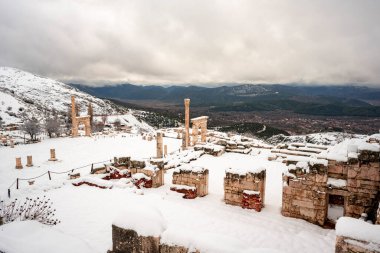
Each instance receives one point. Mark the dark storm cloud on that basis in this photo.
(193, 41)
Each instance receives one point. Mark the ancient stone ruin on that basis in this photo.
(77, 120)
(199, 123)
(245, 188)
(192, 181)
(159, 140)
(312, 188)
(52, 155)
(18, 163)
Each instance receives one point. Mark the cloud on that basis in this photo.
(193, 41)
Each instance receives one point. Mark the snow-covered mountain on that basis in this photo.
(21, 91)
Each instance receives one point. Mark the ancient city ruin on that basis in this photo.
(78, 120)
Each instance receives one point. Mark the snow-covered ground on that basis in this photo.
(86, 213)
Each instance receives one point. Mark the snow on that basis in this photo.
(87, 213)
(342, 151)
(335, 212)
(248, 192)
(32, 236)
(138, 176)
(183, 187)
(146, 220)
(358, 229)
(250, 164)
(339, 183)
(190, 168)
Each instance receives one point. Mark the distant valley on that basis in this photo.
(295, 109)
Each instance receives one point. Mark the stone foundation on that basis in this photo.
(346, 244)
(192, 176)
(247, 191)
(128, 241)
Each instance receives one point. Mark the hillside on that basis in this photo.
(23, 93)
(301, 99)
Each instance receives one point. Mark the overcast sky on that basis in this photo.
(194, 41)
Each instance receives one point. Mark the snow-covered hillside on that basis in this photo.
(25, 93)
(21, 91)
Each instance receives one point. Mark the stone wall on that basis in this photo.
(346, 244)
(192, 176)
(157, 175)
(304, 193)
(129, 241)
(363, 184)
(236, 187)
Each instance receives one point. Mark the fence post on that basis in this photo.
(9, 193)
(17, 183)
(92, 167)
(49, 174)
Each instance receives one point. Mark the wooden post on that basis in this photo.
(49, 175)
(17, 183)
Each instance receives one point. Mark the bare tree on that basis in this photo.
(31, 127)
(53, 126)
(117, 124)
(104, 118)
(98, 126)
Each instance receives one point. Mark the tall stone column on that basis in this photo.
(195, 133)
(187, 122)
(159, 140)
(74, 124)
(204, 131)
(18, 163)
(87, 128)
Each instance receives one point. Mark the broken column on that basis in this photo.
(187, 122)
(18, 163)
(204, 131)
(159, 147)
(52, 155)
(74, 124)
(29, 161)
(12, 143)
(195, 133)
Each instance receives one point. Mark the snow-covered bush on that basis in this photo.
(39, 209)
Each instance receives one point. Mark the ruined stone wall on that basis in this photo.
(363, 184)
(378, 215)
(337, 169)
(235, 185)
(346, 244)
(198, 179)
(157, 175)
(304, 194)
(129, 241)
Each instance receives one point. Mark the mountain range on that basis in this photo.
(303, 99)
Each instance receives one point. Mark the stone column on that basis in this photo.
(204, 131)
(52, 155)
(29, 161)
(195, 133)
(18, 163)
(12, 143)
(159, 140)
(87, 128)
(74, 123)
(165, 150)
(187, 122)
